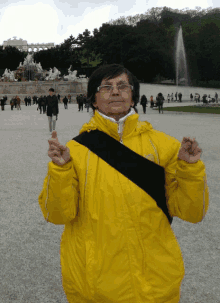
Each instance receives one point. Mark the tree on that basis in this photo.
(10, 57)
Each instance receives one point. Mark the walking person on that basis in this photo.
(168, 98)
(117, 244)
(12, 103)
(77, 100)
(26, 100)
(29, 100)
(58, 97)
(172, 97)
(35, 100)
(191, 97)
(81, 101)
(40, 106)
(52, 109)
(18, 103)
(144, 103)
(216, 97)
(204, 99)
(151, 101)
(44, 102)
(87, 105)
(180, 97)
(3, 102)
(15, 102)
(69, 98)
(65, 101)
(176, 96)
(160, 100)
(84, 98)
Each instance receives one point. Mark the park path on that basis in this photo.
(29, 250)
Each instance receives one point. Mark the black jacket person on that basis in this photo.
(144, 103)
(52, 108)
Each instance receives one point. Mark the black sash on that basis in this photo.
(146, 174)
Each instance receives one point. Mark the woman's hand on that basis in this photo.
(189, 151)
(58, 153)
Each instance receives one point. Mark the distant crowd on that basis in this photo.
(82, 101)
(41, 101)
(170, 98)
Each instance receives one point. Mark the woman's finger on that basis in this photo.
(53, 146)
(55, 152)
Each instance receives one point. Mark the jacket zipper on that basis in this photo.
(120, 132)
(138, 235)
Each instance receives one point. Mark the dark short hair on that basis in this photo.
(160, 95)
(51, 90)
(110, 71)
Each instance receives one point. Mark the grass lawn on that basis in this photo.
(194, 109)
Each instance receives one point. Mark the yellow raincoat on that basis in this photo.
(117, 244)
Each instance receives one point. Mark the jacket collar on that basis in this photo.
(116, 129)
(121, 120)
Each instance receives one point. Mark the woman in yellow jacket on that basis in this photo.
(117, 244)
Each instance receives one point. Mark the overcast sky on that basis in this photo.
(54, 21)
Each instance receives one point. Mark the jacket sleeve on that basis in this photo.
(58, 199)
(186, 188)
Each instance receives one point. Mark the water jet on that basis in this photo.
(180, 59)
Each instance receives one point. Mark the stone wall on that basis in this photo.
(23, 89)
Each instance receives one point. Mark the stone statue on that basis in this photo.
(53, 75)
(50, 73)
(12, 76)
(39, 67)
(71, 76)
(56, 72)
(69, 69)
(28, 60)
(9, 74)
(6, 74)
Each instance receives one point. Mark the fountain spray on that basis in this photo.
(181, 65)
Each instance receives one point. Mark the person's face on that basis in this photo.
(114, 103)
(50, 93)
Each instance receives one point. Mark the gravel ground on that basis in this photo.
(29, 250)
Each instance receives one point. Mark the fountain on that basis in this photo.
(181, 65)
(16, 82)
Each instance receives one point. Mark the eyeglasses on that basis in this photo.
(108, 88)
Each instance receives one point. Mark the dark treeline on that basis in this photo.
(145, 44)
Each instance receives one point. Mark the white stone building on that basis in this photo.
(22, 45)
